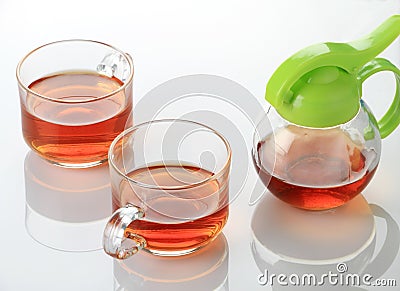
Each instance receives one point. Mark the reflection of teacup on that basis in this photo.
(206, 269)
(66, 208)
(291, 241)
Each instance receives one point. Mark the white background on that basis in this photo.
(240, 40)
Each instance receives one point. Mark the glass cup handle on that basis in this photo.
(117, 241)
(115, 64)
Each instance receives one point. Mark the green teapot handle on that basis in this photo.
(391, 119)
(347, 56)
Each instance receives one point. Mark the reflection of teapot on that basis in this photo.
(326, 143)
(290, 241)
(206, 269)
(59, 204)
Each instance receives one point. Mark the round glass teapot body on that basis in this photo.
(318, 168)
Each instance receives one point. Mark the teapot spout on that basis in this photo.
(373, 44)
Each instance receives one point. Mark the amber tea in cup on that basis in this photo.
(76, 97)
(170, 188)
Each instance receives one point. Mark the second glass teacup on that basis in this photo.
(169, 186)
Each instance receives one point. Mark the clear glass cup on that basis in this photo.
(170, 185)
(76, 97)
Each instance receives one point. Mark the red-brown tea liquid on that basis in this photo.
(74, 133)
(314, 169)
(176, 221)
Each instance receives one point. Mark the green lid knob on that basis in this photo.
(322, 98)
(320, 86)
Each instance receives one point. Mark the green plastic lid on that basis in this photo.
(320, 86)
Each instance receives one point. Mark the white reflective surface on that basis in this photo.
(241, 40)
(66, 209)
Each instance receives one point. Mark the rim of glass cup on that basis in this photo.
(126, 55)
(180, 187)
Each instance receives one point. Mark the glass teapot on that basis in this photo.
(324, 145)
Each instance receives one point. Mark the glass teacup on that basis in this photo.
(170, 188)
(76, 97)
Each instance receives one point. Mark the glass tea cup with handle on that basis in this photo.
(76, 97)
(170, 188)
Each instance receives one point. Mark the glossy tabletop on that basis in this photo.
(208, 61)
